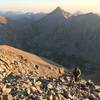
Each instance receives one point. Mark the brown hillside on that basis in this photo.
(20, 63)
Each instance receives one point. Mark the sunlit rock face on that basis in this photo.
(3, 20)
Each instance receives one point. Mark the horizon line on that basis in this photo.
(35, 12)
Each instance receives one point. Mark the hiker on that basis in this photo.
(76, 74)
(90, 84)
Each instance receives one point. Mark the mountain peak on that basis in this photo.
(62, 12)
(58, 9)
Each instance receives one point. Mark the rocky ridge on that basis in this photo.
(21, 63)
(28, 77)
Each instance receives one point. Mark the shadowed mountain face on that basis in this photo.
(52, 21)
(60, 36)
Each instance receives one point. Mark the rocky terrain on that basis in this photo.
(24, 76)
(29, 87)
(21, 63)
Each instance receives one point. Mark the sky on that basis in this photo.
(49, 5)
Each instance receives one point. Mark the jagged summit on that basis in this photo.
(52, 20)
(62, 12)
(58, 9)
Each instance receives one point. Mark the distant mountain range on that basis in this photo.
(60, 36)
(23, 15)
